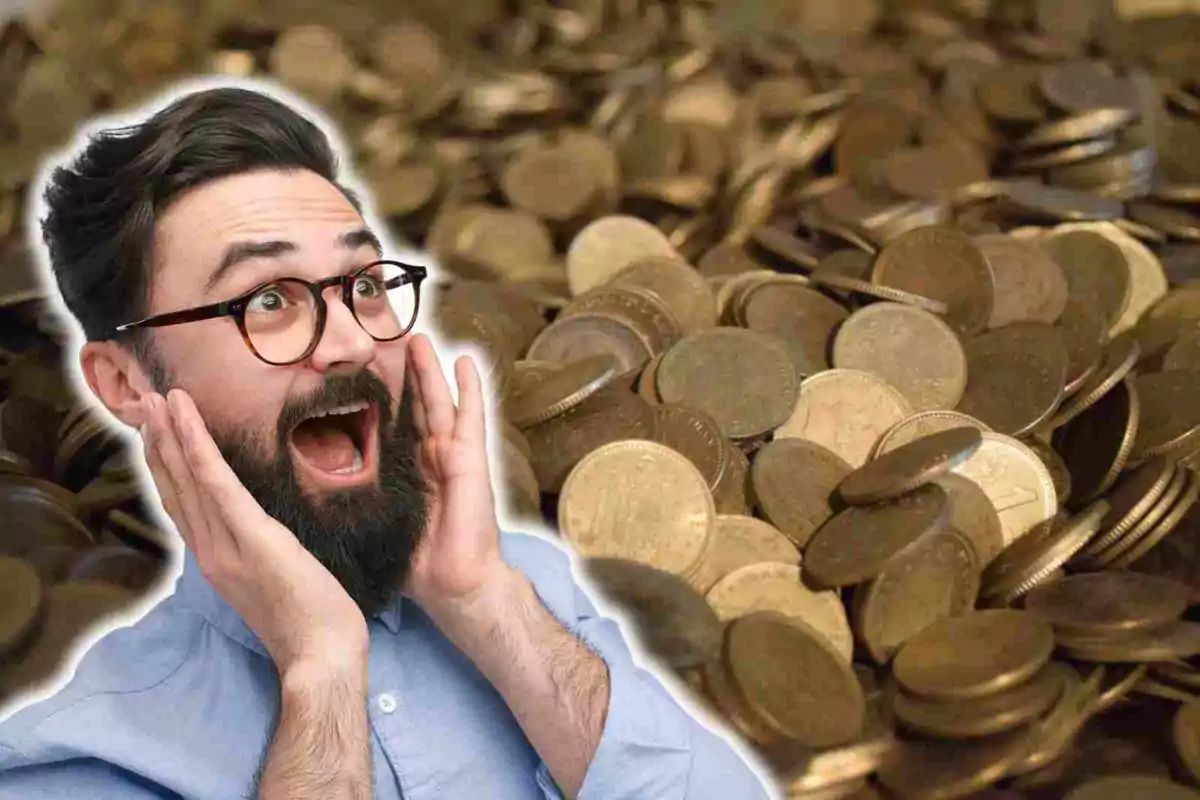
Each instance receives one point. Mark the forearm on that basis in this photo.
(556, 687)
(321, 747)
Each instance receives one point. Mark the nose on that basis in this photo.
(344, 348)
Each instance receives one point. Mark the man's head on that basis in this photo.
(222, 191)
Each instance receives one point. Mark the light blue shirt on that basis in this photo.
(183, 704)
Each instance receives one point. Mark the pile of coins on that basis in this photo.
(855, 345)
(76, 544)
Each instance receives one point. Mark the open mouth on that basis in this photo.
(337, 447)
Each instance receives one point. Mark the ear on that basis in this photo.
(115, 376)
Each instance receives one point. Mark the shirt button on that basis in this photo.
(387, 703)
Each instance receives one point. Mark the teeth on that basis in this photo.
(349, 408)
(355, 467)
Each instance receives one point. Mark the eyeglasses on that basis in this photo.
(282, 321)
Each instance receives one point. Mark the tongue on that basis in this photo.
(326, 445)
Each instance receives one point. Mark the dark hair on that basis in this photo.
(102, 207)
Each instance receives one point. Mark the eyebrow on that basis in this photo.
(239, 252)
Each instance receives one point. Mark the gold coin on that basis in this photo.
(1054, 732)
(1030, 286)
(742, 379)
(913, 350)
(1015, 480)
(938, 578)
(1017, 375)
(779, 587)
(973, 515)
(740, 541)
(793, 681)
(857, 544)
(641, 501)
(1007, 648)
(645, 312)
(845, 411)
(1174, 491)
(732, 492)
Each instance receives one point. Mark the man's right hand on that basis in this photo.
(303, 616)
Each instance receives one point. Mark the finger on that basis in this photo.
(182, 481)
(469, 426)
(420, 419)
(162, 482)
(439, 405)
(231, 503)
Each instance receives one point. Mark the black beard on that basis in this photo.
(365, 536)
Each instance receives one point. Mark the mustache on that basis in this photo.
(337, 390)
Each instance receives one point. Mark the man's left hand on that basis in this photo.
(457, 564)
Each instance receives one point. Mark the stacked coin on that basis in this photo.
(831, 334)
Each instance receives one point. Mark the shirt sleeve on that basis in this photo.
(72, 779)
(650, 746)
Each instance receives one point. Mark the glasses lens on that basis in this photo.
(281, 319)
(384, 302)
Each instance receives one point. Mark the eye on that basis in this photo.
(367, 286)
(270, 300)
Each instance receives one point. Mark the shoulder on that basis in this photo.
(128, 659)
(552, 567)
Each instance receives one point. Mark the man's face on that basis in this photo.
(346, 482)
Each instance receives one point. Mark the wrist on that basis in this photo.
(310, 676)
(472, 619)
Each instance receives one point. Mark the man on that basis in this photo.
(350, 621)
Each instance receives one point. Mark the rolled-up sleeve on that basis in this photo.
(650, 746)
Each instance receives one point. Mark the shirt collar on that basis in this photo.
(195, 592)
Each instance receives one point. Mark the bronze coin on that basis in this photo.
(732, 492)
(1170, 404)
(941, 263)
(1030, 285)
(857, 544)
(973, 514)
(1134, 495)
(983, 716)
(794, 482)
(937, 769)
(1094, 267)
(1174, 516)
(804, 320)
(1149, 521)
(664, 518)
(793, 681)
(1061, 204)
(20, 603)
(877, 291)
(673, 620)
(560, 389)
(695, 435)
(607, 416)
(1097, 444)
(1102, 603)
(911, 349)
(1026, 562)
(683, 290)
(1084, 329)
(1016, 377)
(743, 379)
(920, 425)
(641, 308)
(586, 335)
(910, 466)
(938, 578)
(1007, 648)
(741, 541)
(1119, 358)
(1132, 787)
(1178, 640)
(1054, 465)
